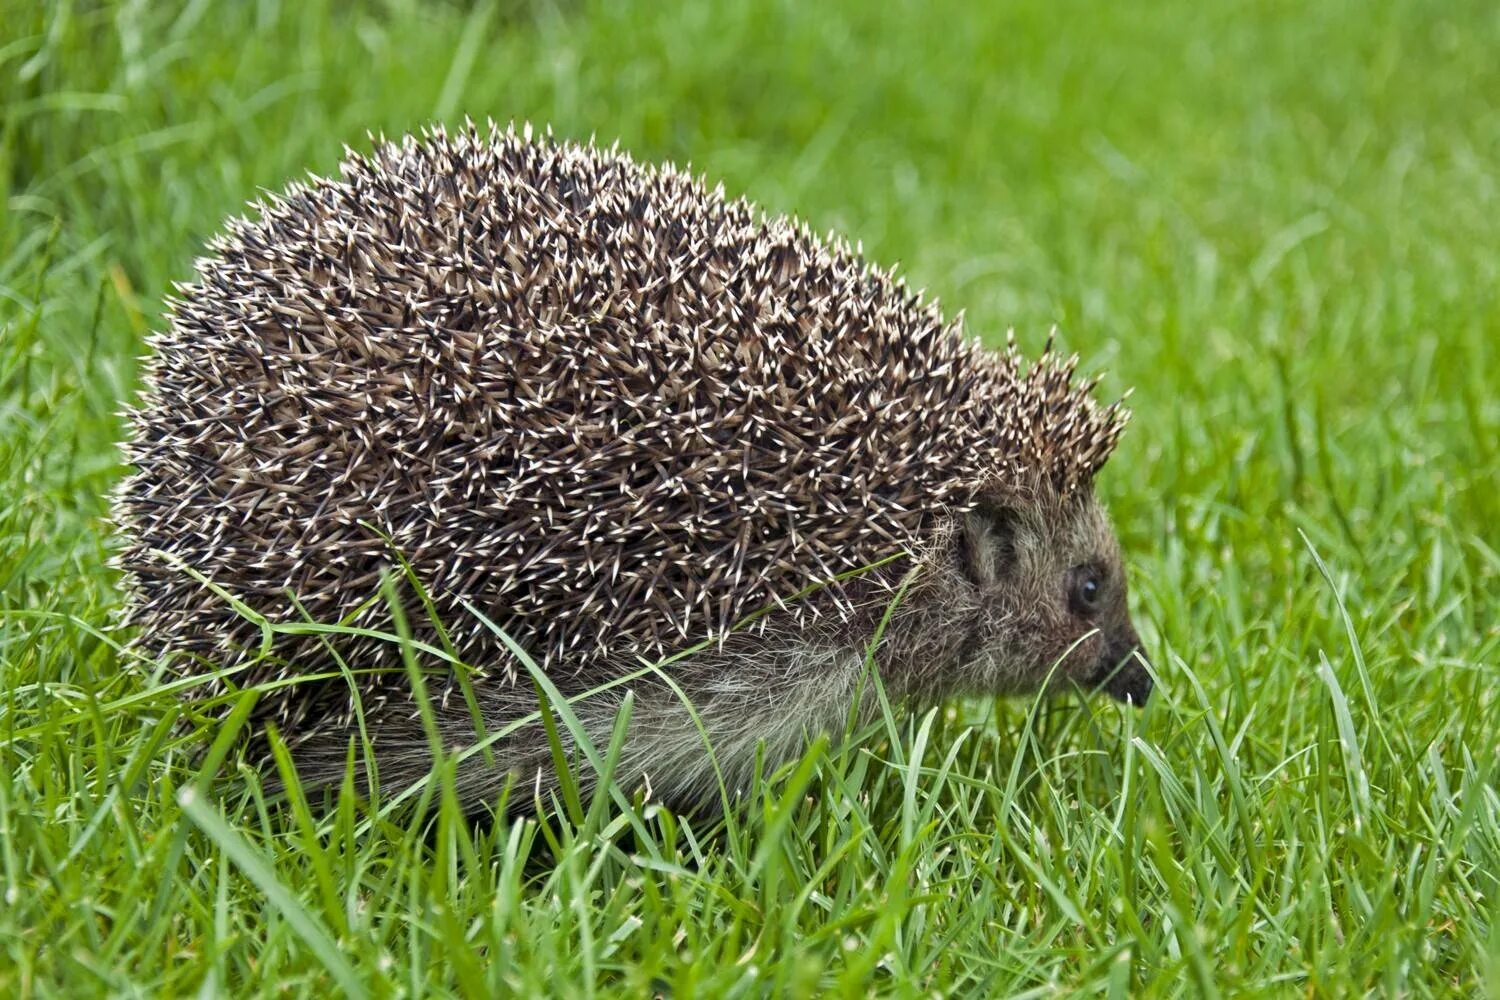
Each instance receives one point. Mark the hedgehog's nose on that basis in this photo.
(1124, 675)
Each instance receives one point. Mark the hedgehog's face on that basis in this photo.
(1047, 591)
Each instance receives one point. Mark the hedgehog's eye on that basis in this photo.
(1087, 591)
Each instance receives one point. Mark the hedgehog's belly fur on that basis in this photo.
(764, 696)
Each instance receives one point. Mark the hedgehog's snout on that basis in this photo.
(1123, 672)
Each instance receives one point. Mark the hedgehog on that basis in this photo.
(586, 419)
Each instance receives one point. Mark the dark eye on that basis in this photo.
(1088, 589)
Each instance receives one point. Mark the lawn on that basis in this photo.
(1279, 223)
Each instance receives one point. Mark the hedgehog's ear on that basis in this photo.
(987, 540)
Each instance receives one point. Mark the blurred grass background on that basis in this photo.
(1278, 222)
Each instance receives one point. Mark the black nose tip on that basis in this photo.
(1127, 679)
(1132, 686)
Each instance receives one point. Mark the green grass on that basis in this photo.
(1279, 222)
